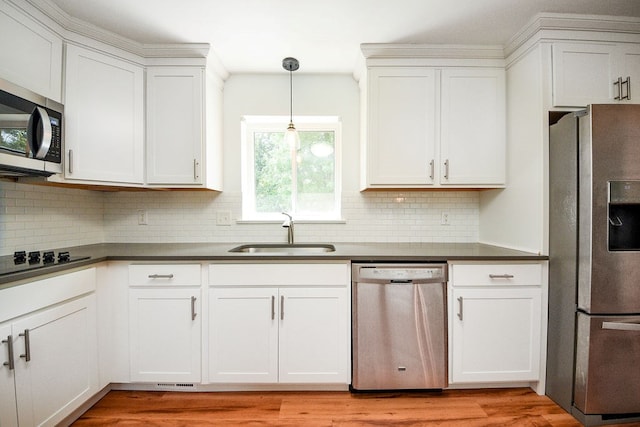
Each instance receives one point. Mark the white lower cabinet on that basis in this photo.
(495, 319)
(53, 363)
(295, 332)
(165, 323)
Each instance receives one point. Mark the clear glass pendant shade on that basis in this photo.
(292, 138)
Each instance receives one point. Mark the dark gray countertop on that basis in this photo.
(355, 252)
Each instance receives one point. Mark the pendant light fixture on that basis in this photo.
(291, 136)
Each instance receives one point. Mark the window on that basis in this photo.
(303, 181)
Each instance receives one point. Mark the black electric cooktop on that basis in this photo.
(25, 261)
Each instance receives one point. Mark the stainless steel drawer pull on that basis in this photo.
(282, 307)
(193, 308)
(501, 276)
(460, 308)
(161, 276)
(621, 326)
(273, 307)
(10, 363)
(27, 346)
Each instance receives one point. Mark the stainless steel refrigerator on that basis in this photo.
(593, 359)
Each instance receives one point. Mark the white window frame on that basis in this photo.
(252, 124)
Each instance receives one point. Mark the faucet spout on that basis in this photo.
(288, 224)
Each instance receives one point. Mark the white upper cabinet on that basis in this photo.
(31, 53)
(175, 131)
(434, 126)
(594, 73)
(401, 148)
(104, 115)
(473, 129)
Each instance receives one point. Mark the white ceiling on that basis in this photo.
(325, 35)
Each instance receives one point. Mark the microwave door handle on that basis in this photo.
(39, 133)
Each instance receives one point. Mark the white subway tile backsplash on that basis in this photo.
(40, 217)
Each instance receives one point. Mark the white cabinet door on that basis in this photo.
(243, 345)
(630, 67)
(104, 120)
(314, 335)
(31, 53)
(56, 361)
(401, 134)
(473, 127)
(583, 74)
(495, 335)
(8, 409)
(175, 136)
(165, 339)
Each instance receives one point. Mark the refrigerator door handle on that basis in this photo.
(621, 326)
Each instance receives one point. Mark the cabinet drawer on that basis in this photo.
(243, 274)
(505, 274)
(164, 274)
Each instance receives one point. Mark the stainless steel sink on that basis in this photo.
(284, 248)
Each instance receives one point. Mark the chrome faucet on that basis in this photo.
(288, 224)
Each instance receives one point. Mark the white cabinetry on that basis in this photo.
(165, 322)
(286, 323)
(50, 353)
(8, 404)
(104, 117)
(495, 322)
(175, 131)
(435, 126)
(31, 53)
(594, 73)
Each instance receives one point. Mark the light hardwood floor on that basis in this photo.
(469, 408)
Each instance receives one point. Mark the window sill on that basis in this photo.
(296, 221)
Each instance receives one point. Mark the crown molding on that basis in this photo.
(574, 26)
(408, 50)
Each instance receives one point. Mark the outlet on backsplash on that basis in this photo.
(223, 218)
(445, 218)
(142, 217)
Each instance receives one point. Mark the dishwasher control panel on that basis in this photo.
(399, 272)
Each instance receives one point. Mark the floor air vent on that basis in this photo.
(175, 387)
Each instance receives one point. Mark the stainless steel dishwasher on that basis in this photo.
(399, 326)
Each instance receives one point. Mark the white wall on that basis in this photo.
(515, 216)
(186, 216)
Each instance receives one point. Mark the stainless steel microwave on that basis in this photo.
(30, 133)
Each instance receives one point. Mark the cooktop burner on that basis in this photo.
(23, 261)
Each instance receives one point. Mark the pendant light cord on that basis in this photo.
(290, 96)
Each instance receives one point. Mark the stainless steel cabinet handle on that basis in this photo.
(431, 167)
(460, 308)
(193, 308)
(619, 84)
(161, 276)
(621, 326)
(195, 169)
(282, 307)
(70, 161)
(27, 346)
(501, 276)
(273, 307)
(628, 83)
(10, 363)
(446, 169)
